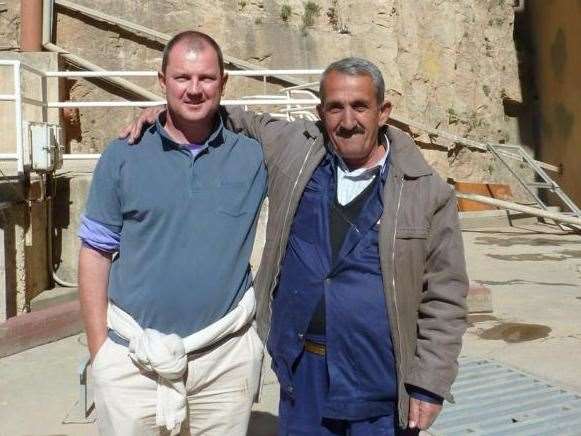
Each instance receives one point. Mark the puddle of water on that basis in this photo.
(515, 332)
(474, 319)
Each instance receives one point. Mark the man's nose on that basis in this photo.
(348, 121)
(194, 87)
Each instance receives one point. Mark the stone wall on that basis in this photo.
(448, 64)
(9, 25)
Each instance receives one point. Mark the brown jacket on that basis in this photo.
(421, 251)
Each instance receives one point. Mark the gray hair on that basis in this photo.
(353, 66)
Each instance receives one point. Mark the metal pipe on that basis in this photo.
(8, 62)
(101, 73)
(31, 25)
(49, 244)
(114, 81)
(8, 156)
(240, 102)
(555, 216)
(7, 97)
(47, 20)
(81, 156)
(18, 118)
(243, 73)
(33, 101)
(32, 69)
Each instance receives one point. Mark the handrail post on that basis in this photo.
(18, 119)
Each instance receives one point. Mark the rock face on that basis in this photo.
(448, 64)
(9, 25)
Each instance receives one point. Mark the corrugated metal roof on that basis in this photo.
(493, 399)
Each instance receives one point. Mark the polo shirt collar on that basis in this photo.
(168, 143)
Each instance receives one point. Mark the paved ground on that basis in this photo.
(534, 273)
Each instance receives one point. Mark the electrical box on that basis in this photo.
(44, 144)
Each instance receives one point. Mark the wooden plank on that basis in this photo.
(555, 216)
(494, 190)
(479, 299)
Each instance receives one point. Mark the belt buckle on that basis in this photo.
(315, 348)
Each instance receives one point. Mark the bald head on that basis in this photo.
(195, 42)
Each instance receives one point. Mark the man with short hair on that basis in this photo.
(165, 283)
(362, 284)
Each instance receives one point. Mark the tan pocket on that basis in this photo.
(100, 353)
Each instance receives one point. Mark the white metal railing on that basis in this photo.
(16, 97)
(293, 105)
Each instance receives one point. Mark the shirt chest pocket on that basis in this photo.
(233, 199)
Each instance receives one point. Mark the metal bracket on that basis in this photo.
(83, 410)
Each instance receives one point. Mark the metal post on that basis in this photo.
(3, 284)
(18, 118)
(44, 91)
(47, 20)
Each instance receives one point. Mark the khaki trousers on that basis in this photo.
(221, 384)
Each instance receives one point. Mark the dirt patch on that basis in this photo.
(515, 332)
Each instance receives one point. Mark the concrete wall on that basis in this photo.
(31, 87)
(25, 222)
(556, 35)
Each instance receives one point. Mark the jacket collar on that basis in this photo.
(405, 154)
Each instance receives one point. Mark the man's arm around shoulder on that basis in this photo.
(272, 133)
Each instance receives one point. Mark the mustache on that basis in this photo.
(346, 133)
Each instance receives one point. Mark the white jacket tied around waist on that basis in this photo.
(166, 354)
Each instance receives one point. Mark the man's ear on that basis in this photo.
(384, 111)
(320, 111)
(161, 80)
(224, 80)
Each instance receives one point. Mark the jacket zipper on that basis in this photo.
(275, 279)
(393, 275)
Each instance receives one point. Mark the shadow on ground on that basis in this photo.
(262, 424)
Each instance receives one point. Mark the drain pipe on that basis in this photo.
(31, 25)
(51, 185)
(47, 20)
